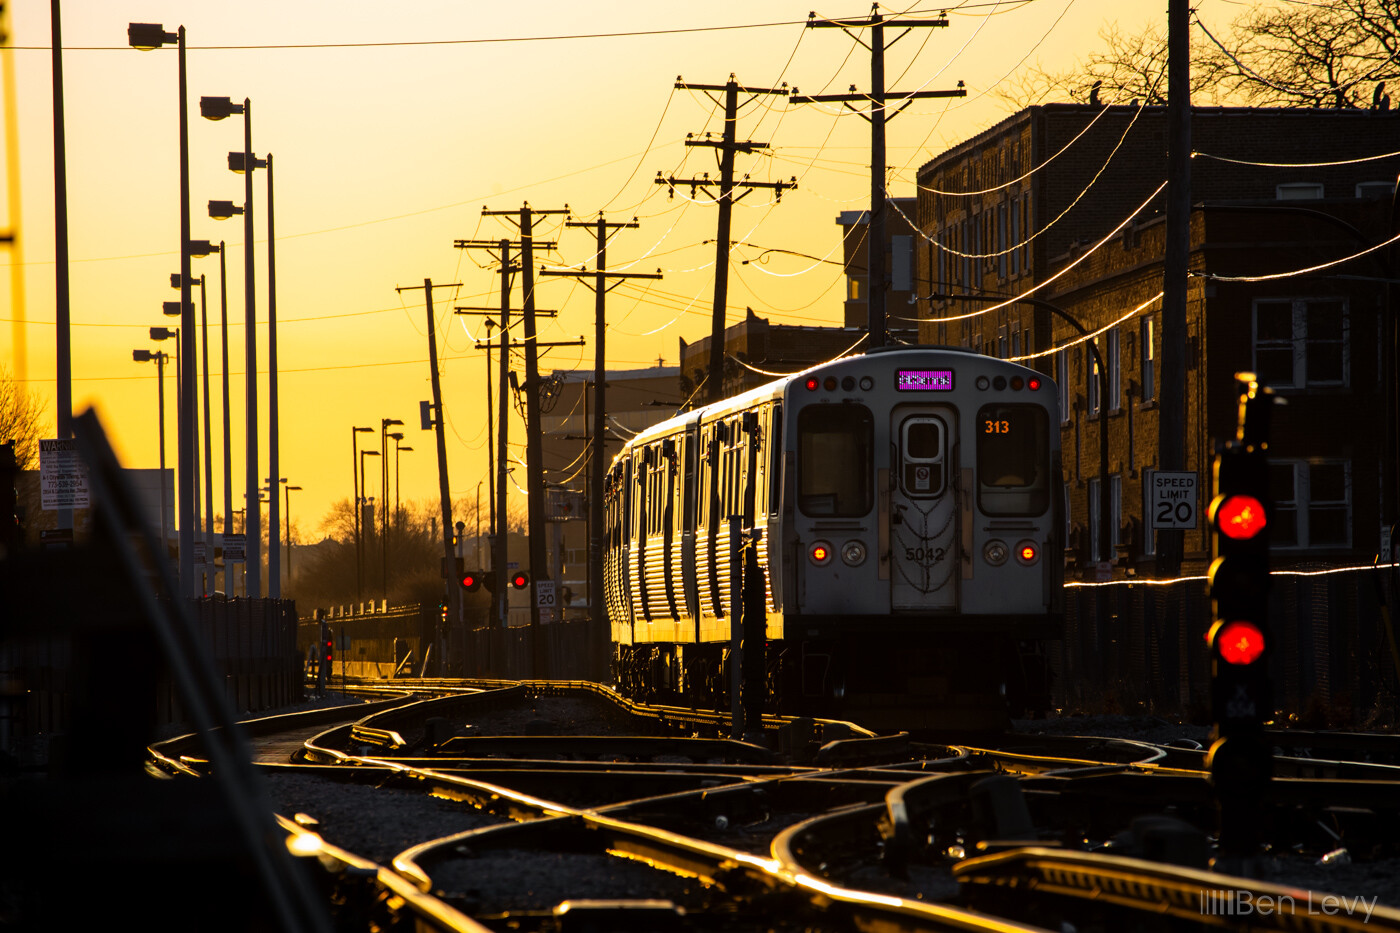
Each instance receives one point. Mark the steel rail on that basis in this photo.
(1159, 889)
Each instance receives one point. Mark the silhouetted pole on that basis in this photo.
(228, 426)
(454, 592)
(252, 523)
(62, 338)
(597, 466)
(727, 146)
(274, 550)
(1171, 438)
(878, 115)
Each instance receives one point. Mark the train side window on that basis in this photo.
(775, 471)
(1013, 460)
(835, 452)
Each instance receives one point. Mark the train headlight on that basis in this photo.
(853, 553)
(996, 552)
(1027, 553)
(819, 553)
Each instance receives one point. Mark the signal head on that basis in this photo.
(519, 580)
(1238, 516)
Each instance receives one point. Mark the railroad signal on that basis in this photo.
(519, 579)
(1241, 694)
(471, 580)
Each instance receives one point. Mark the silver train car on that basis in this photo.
(906, 513)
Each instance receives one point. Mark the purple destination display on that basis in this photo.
(924, 380)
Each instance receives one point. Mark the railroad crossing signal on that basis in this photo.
(472, 580)
(1241, 694)
(519, 579)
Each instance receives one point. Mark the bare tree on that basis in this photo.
(1131, 68)
(21, 420)
(1328, 53)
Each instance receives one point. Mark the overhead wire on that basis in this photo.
(1275, 276)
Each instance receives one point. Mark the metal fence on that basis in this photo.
(1140, 647)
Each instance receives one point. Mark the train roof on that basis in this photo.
(775, 389)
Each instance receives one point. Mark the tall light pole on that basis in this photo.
(274, 558)
(288, 490)
(398, 449)
(151, 36)
(355, 499)
(384, 425)
(147, 356)
(228, 454)
(203, 526)
(368, 525)
(217, 108)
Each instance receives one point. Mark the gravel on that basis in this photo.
(374, 822)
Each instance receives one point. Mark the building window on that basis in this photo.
(1149, 540)
(1015, 234)
(1115, 507)
(1149, 362)
(1301, 342)
(1091, 379)
(1312, 503)
(1001, 241)
(1015, 339)
(1002, 344)
(1115, 395)
(1299, 191)
(1026, 232)
(1062, 382)
(1092, 491)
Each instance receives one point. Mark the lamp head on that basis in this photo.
(223, 210)
(164, 333)
(385, 422)
(143, 356)
(171, 308)
(217, 108)
(148, 36)
(236, 162)
(201, 247)
(396, 435)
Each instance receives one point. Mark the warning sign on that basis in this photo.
(63, 479)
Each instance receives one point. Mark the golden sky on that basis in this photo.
(384, 154)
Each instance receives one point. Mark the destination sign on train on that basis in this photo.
(925, 380)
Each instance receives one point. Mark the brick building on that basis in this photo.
(1320, 340)
(754, 348)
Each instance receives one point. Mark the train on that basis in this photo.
(903, 511)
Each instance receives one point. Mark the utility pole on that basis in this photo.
(454, 592)
(534, 453)
(877, 115)
(534, 462)
(597, 464)
(727, 146)
(1171, 440)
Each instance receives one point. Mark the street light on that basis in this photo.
(206, 527)
(384, 425)
(363, 499)
(148, 356)
(355, 498)
(217, 108)
(288, 490)
(148, 36)
(398, 449)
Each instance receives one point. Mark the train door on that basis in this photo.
(923, 514)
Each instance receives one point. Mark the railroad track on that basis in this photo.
(680, 828)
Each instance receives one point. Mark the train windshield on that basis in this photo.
(835, 451)
(1013, 460)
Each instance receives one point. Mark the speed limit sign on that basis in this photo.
(544, 594)
(1172, 499)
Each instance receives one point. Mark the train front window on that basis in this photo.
(1013, 460)
(835, 452)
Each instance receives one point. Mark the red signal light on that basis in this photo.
(812, 383)
(471, 581)
(819, 552)
(1240, 517)
(1028, 552)
(1033, 384)
(520, 579)
(1239, 642)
